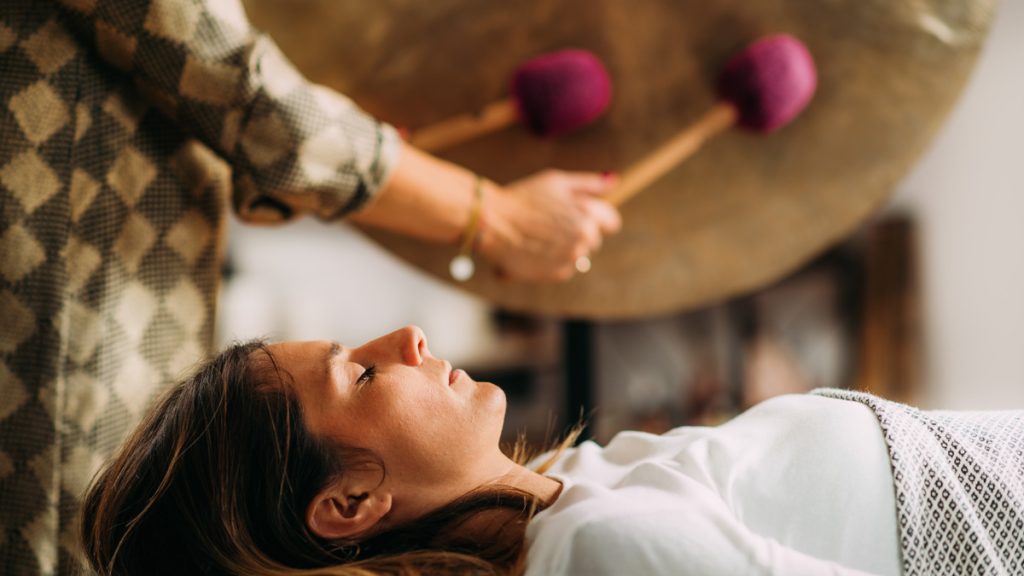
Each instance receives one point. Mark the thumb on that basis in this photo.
(592, 183)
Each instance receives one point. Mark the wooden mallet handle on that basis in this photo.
(670, 154)
(495, 116)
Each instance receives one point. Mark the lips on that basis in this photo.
(454, 375)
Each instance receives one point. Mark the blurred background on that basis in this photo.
(924, 303)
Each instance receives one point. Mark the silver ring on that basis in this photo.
(583, 264)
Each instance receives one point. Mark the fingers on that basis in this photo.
(598, 217)
(563, 219)
(606, 216)
(589, 238)
(564, 274)
(590, 187)
(591, 183)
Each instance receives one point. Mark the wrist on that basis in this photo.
(496, 233)
(462, 267)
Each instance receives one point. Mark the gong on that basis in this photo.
(744, 211)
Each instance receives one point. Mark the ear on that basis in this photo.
(344, 509)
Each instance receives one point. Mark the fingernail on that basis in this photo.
(609, 175)
(404, 132)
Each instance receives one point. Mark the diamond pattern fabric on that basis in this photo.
(39, 111)
(83, 259)
(133, 243)
(20, 253)
(6, 466)
(15, 394)
(30, 180)
(50, 48)
(130, 175)
(7, 37)
(128, 127)
(959, 481)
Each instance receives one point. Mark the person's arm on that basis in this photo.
(294, 147)
(297, 148)
(532, 229)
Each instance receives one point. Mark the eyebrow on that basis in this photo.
(335, 351)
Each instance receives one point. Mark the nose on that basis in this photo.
(411, 343)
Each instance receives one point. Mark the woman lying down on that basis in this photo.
(315, 458)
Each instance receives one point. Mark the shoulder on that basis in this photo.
(636, 530)
(796, 402)
(809, 409)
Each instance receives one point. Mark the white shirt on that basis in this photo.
(796, 485)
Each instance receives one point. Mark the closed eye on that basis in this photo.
(367, 375)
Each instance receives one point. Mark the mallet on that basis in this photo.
(761, 89)
(551, 94)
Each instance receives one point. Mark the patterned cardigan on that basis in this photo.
(125, 125)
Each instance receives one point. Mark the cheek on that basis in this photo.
(435, 430)
(420, 432)
(411, 421)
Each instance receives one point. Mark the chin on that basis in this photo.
(494, 397)
(491, 402)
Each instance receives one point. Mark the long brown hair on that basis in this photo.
(216, 479)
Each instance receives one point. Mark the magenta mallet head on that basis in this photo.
(770, 82)
(561, 91)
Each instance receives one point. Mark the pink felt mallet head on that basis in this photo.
(762, 89)
(770, 82)
(561, 91)
(551, 94)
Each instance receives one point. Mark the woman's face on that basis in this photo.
(433, 427)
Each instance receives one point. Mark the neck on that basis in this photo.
(544, 488)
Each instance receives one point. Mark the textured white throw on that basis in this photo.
(959, 480)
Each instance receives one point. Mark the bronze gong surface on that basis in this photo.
(746, 209)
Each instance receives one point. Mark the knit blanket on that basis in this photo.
(959, 481)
